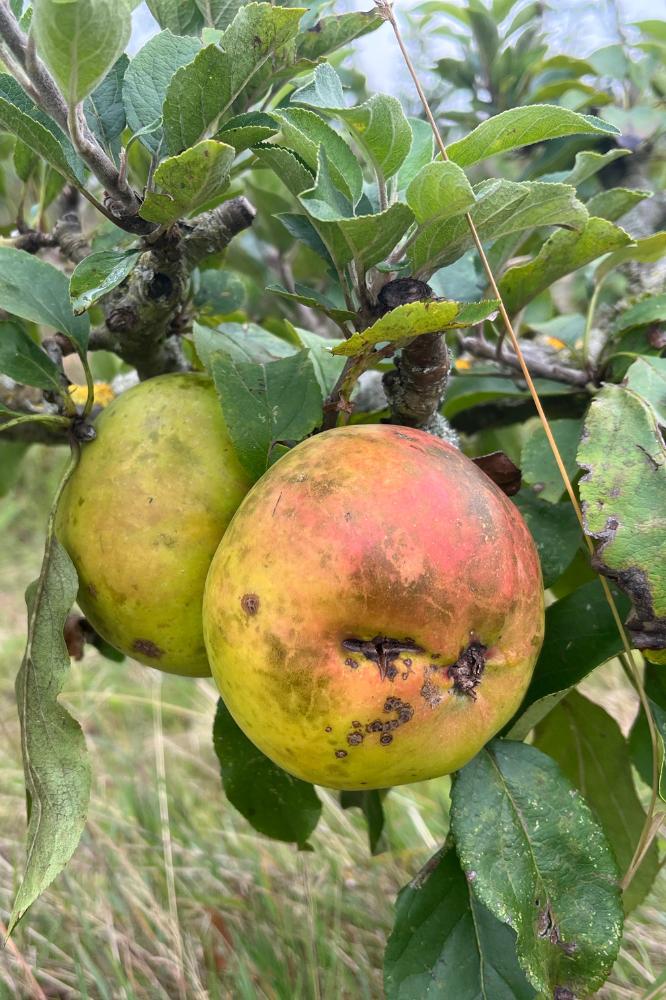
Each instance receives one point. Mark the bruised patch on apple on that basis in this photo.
(250, 604)
(148, 648)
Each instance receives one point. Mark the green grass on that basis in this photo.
(171, 893)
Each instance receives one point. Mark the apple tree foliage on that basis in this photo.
(233, 198)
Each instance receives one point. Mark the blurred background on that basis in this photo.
(171, 893)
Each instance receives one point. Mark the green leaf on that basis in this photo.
(104, 108)
(37, 291)
(244, 131)
(649, 310)
(11, 457)
(182, 17)
(555, 530)
(304, 132)
(148, 77)
(314, 300)
(327, 369)
(57, 770)
(415, 318)
(445, 944)
(421, 152)
(97, 274)
(219, 293)
(218, 14)
(467, 391)
(188, 181)
(521, 127)
(562, 253)
(79, 40)
(292, 171)
(647, 378)
(275, 803)
(439, 191)
(593, 754)
(586, 165)
(241, 341)
(24, 361)
(645, 251)
(333, 32)
(539, 861)
(370, 804)
(201, 92)
(25, 161)
(264, 404)
(640, 741)
(501, 207)
(538, 464)
(378, 126)
(624, 455)
(615, 202)
(21, 117)
(581, 634)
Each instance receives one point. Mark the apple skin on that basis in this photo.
(143, 514)
(362, 533)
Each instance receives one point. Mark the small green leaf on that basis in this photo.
(581, 634)
(25, 161)
(292, 171)
(148, 77)
(593, 754)
(265, 404)
(539, 861)
(640, 741)
(421, 152)
(11, 458)
(586, 165)
(97, 274)
(378, 126)
(623, 491)
(615, 202)
(304, 132)
(56, 765)
(439, 191)
(521, 127)
(331, 33)
(562, 253)
(647, 378)
(24, 361)
(555, 530)
(370, 804)
(314, 300)
(327, 369)
(241, 341)
(182, 17)
(275, 803)
(104, 108)
(203, 91)
(645, 251)
(467, 391)
(649, 310)
(37, 291)
(415, 318)
(247, 130)
(79, 40)
(446, 944)
(538, 465)
(188, 181)
(20, 116)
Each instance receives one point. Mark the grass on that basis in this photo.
(171, 893)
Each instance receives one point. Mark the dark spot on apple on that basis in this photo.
(92, 590)
(468, 669)
(354, 738)
(341, 753)
(329, 729)
(148, 648)
(250, 604)
(385, 739)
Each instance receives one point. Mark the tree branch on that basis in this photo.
(539, 363)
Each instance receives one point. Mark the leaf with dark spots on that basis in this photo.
(272, 801)
(370, 804)
(542, 864)
(446, 944)
(55, 760)
(624, 504)
(594, 755)
(504, 473)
